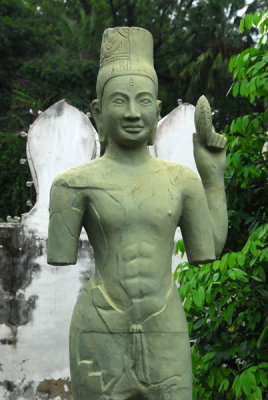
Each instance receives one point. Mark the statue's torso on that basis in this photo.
(130, 215)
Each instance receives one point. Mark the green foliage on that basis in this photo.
(250, 68)
(209, 37)
(13, 175)
(247, 167)
(62, 78)
(21, 36)
(226, 301)
(226, 307)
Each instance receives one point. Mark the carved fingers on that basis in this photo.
(216, 140)
(203, 124)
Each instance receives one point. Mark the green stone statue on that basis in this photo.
(128, 336)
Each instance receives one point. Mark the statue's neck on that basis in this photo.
(135, 155)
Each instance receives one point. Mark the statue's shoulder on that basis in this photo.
(180, 172)
(80, 176)
(186, 180)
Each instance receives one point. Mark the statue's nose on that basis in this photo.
(132, 111)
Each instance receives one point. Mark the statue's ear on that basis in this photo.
(97, 115)
(158, 110)
(96, 112)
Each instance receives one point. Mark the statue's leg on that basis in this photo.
(97, 353)
(167, 355)
(183, 394)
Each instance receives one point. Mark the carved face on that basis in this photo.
(129, 110)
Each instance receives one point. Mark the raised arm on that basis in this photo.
(65, 222)
(195, 221)
(209, 153)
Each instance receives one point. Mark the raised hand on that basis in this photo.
(209, 146)
(203, 125)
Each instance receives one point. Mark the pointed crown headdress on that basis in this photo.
(125, 51)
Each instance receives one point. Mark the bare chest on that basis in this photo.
(147, 202)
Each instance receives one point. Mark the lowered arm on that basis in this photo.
(65, 222)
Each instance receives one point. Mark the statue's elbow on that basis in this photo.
(219, 242)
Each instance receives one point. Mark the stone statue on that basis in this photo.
(128, 336)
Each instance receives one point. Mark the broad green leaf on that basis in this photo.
(224, 385)
(201, 293)
(263, 378)
(208, 356)
(235, 89)
(241, 27)
(237, 385)
(188, 302)
(261, 273)
(264, 254)
(255, 278)
(190, 326)
(232, 63)
(231, 274)
(228, 313)
(208, 297)
(263, 365)
(253, 369)
(198, 297)
(259, 65)
(232, 260)
(246, 247)
(248, 382)
(243, 87)
(215, 277)
(255, 18)
(238, 273)
(248, 21)
(180, 248)
(183, 290)
(236, 158)
(245, 121)
(211, 379)
(216, 265)
(253, 249)
(252, 86)
(233, 127)
(224, 263)
(240, 318)
(257, 395)
(211, 311)
(198, 323)
(246, 57)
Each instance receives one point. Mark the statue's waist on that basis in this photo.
(167, 317)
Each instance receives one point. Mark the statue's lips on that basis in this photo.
(133, 128)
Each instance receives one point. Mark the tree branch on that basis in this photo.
(188, 5)
(113, 11)
(86, 6)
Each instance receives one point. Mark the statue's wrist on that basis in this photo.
(213, 181)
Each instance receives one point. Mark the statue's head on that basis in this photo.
(127, 87)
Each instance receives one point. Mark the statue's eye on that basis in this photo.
(146, 100)
(118, 101)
